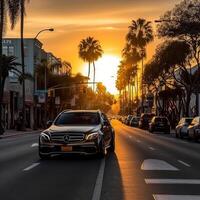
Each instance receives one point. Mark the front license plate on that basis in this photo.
(66, 148)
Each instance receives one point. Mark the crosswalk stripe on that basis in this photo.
(173, 181)
(154, 164)
(176, 197)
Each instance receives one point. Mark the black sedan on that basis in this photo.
(159, 124)
(82, 132)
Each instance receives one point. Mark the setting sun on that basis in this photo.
(106, 71)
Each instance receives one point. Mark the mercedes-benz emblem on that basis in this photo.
(66, 138)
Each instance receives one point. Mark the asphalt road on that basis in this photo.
(145, 167)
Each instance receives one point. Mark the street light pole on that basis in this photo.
(45, 74)
(47, 29)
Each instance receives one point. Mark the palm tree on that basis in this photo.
(140, 35)
(18, 10)
(8, 64)
(5, 6)
(90, 50)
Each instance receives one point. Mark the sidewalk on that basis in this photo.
(14, 133)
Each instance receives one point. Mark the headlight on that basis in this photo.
(44, 138)
(92, 136)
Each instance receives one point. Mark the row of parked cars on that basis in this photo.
(187, 127)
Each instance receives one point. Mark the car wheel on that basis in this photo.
(44, 157)
(195, 137)
(181, 135)
(112, 146)
(177, 136)
(102, 150)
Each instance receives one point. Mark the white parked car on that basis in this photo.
(182, 127)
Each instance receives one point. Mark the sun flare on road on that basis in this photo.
(106, 71)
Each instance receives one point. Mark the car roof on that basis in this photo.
(81, 111)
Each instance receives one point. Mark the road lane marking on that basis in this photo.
(154, 164)
(151, 148)
(184, 163)
(173, 181)
(99, 181)
(31, 166)
(176, 197)
(35, 145)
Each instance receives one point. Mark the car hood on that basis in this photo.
(75, 129)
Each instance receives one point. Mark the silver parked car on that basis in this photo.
(194, 129)
(182, 127)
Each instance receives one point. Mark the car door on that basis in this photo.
(107, 130)
(191, 127)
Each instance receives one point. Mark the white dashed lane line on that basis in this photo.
(35, 145)
(99, 182)
(184, 163)
(31, 166)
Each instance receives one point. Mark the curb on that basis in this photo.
(18, 134)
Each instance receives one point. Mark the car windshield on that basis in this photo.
(188, 121)
(78, 118)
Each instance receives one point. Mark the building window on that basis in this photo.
(8, 50)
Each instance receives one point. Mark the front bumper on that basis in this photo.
(86, 148)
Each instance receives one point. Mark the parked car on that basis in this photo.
(81, 132)
(194, 129)
(128, 119)
(145, 120)
(182, 127)
(134, 121)
(159, 124)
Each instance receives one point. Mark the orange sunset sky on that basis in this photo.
(105, 20)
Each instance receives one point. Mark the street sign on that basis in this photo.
(38, 92)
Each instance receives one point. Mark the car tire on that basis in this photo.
(44, 157)
(112, 146)
(102, 150)
(195, 137)
(181, 135)
(177, 136)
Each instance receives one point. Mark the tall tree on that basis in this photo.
(90, 50)
(6, 6)
(19, 11)
(183, 23)
(140, 35)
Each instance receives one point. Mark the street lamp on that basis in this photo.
(45, 73)
(47, 29)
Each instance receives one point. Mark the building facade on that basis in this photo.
(12, 103)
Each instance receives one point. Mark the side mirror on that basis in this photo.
(49, 123)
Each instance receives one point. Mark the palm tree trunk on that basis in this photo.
(94, 77)
(89, 70)
(23, 65)
(1, 78)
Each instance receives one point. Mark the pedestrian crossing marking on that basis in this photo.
(176, 197)
(173, 181)
(154, 164)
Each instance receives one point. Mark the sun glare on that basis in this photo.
(106, 71)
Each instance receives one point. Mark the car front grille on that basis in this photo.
(71, 137)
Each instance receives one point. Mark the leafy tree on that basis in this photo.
(5, 8)
(183, 23)
(18, 8)
(170, 66)
(9, 64)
